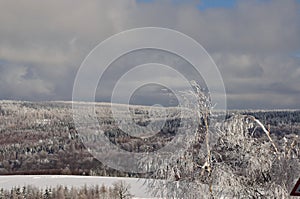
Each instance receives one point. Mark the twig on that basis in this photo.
(266, 131)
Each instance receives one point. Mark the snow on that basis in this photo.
(137, 188)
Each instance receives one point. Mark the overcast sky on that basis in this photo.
(255, 44)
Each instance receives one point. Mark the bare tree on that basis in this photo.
(121, 190)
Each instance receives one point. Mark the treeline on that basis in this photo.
(118, 190)
(276, 117)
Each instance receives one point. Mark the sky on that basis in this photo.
(255, 45)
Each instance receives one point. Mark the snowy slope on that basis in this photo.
(137, 187)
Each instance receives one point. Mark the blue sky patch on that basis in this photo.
(206, 4)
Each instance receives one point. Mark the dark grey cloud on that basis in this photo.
(135, 58)
(255, 44)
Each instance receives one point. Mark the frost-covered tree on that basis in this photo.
(226, 160)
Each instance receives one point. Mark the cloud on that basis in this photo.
(42, 44)
(17, 79)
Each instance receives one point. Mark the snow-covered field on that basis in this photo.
(137, 188)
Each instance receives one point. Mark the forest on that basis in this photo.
(119, 190)
(41, 138)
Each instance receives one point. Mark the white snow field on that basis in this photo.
(137, 188)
